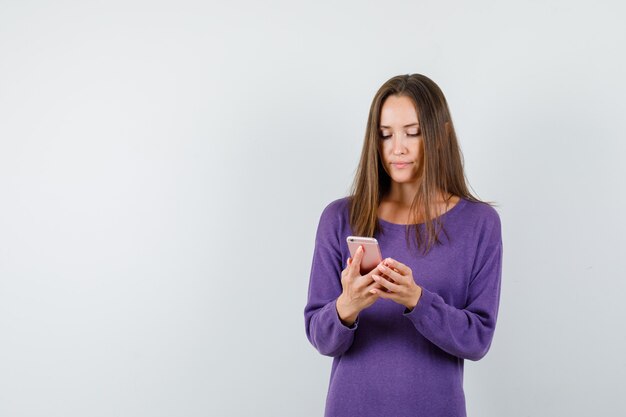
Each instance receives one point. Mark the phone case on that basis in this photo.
(371, 255)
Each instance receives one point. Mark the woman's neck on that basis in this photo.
(401, 194)
(402, 197)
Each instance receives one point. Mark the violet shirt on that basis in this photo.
(396, 363)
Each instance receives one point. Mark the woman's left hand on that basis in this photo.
(402, 288)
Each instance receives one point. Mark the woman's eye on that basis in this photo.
(419, 132)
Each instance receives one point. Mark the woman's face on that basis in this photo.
(400, 140)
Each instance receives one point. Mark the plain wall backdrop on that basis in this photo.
(163, 167)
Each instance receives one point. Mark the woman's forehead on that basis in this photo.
(398, 112)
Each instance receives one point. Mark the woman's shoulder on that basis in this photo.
(481, 210)
(336, 212)
(333, 222)
(482, 217)
(337, 206)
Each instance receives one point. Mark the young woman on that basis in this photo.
(399, 334)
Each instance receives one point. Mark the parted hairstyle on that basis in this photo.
(441, 160)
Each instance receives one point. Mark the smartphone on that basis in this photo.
(371, 255)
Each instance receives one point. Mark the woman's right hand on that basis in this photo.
(356, 295)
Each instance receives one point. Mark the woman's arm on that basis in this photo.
(323, 325)
(468, 332)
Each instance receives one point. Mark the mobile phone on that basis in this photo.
(371, 254)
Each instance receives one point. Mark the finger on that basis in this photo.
(356, 262)
(385, 283)
(367, 278)
(384, 293)
(374, 287)
(349, 262)
(393, 274)
(365, 282)
(392, 263)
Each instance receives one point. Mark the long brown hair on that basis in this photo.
(442, 160)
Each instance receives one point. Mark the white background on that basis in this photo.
(163, 166)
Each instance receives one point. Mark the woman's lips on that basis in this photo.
(401, 165)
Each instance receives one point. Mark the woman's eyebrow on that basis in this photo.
(409, 125)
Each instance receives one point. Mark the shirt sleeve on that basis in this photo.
(466, 333)
(323, 327)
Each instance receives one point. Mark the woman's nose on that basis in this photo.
(398, 145)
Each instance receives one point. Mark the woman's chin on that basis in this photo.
(405, 179)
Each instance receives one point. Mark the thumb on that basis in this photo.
(356, 262)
